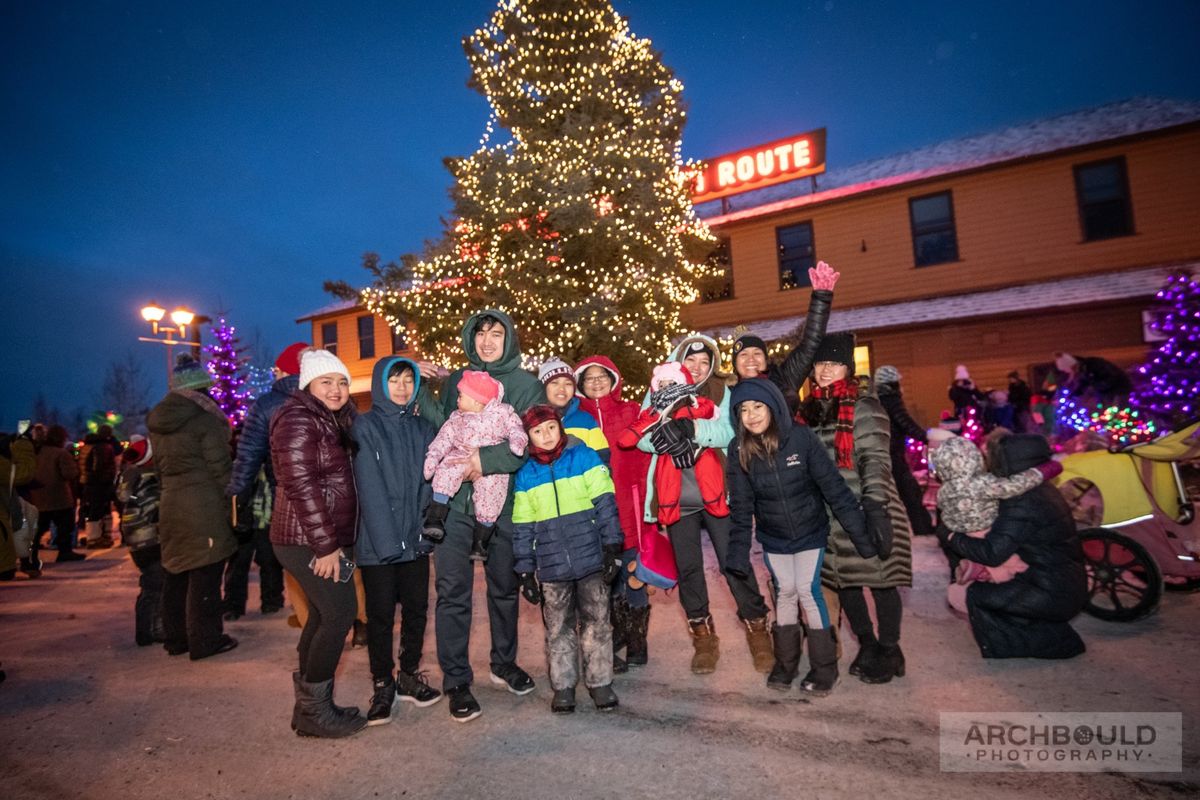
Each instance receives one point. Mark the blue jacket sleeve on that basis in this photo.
(524, 515)
(253, 450)
(368, 478)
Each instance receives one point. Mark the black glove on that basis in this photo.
(612, 563)
(683, 454)
(879, 528)
(243, 531)
(685, 427)
(943, 534)
(530, 588)
(665, 437)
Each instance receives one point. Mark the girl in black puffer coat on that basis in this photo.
(780, 480)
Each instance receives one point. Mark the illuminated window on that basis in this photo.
(1102, 189)
(329, 336)
(797, 254)
(721, 287)
(366, 337)
(933, 235)
(399, 340)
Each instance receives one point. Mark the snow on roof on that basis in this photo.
(1091, 126)
(332, 308)
(1027, 297)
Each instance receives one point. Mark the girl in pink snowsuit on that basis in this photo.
(482, 420)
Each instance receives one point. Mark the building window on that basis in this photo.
(399, 340)
(933, 235)
(366, 337)
(721, 287)
(329, 336)
(1102, 188)
(797, 254)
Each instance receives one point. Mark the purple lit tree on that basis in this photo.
(1169, 384)
(228, 370)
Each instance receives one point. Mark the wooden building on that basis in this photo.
(993, 251)
(359, 339)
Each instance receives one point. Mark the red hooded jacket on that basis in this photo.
(628, 465)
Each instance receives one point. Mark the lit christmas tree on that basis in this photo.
(1121, 426)
(579, 224)
(227, 367)
(1170, 380)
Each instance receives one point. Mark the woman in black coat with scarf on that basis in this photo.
(1028, 616)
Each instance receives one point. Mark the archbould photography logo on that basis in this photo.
(1074, 741)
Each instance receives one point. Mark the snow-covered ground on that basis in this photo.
(86, 713)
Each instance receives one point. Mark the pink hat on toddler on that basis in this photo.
(670, 371)
(480, 387)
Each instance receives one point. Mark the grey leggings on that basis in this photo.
(797, 578)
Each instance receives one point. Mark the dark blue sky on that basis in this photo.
(233, 155)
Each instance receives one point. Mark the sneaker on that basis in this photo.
(513, 678)
(383, 702)
(412, 688)
(463, 706)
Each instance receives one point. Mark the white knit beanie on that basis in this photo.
(315, 363)
(961, 374)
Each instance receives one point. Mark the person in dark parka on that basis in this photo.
(887, 386)
(1028, 616)
(190, 437)
(392, 555)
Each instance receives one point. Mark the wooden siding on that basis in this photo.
(1017, 223)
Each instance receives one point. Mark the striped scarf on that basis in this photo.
(845, 392)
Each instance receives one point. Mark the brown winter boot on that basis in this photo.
(706, 643)
(758, 635)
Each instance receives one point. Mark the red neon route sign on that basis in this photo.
(766, 164)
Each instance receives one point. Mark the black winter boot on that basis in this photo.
(637, 653)
(789, 644)
(604, 697)
(347, 711)
(479, 541)
(868, 654)
(618, 613)
(888, 664)
(822, 657)
(315, 714)
(435, 522)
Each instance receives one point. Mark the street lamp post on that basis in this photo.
(171, 336)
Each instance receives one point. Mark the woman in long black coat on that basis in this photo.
(1028, 616)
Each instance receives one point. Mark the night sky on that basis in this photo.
(232, 156)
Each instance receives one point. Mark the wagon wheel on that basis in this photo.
(1124, 582)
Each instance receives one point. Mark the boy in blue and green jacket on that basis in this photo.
(567, 549)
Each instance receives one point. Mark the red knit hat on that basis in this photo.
(289, 360)
(480, 387)
(536, 415)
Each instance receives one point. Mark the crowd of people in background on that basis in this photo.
(577, 499)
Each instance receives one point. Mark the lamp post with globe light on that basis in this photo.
(172, 335)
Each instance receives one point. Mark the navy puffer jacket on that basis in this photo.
(784, 500)
(392, 492)
(254, 443)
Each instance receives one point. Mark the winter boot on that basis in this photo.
(759, 638)
(888, 664)
(383, 701)
(479, 541)
(435, 522)
(604, 697)
(618, 613)
(636, 652)
(706, 644)
(868, 654)
(563, 701)
(789, 643)
(315, 714)
(347, 711)
(822, 658)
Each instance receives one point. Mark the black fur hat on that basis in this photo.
(837, 347)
